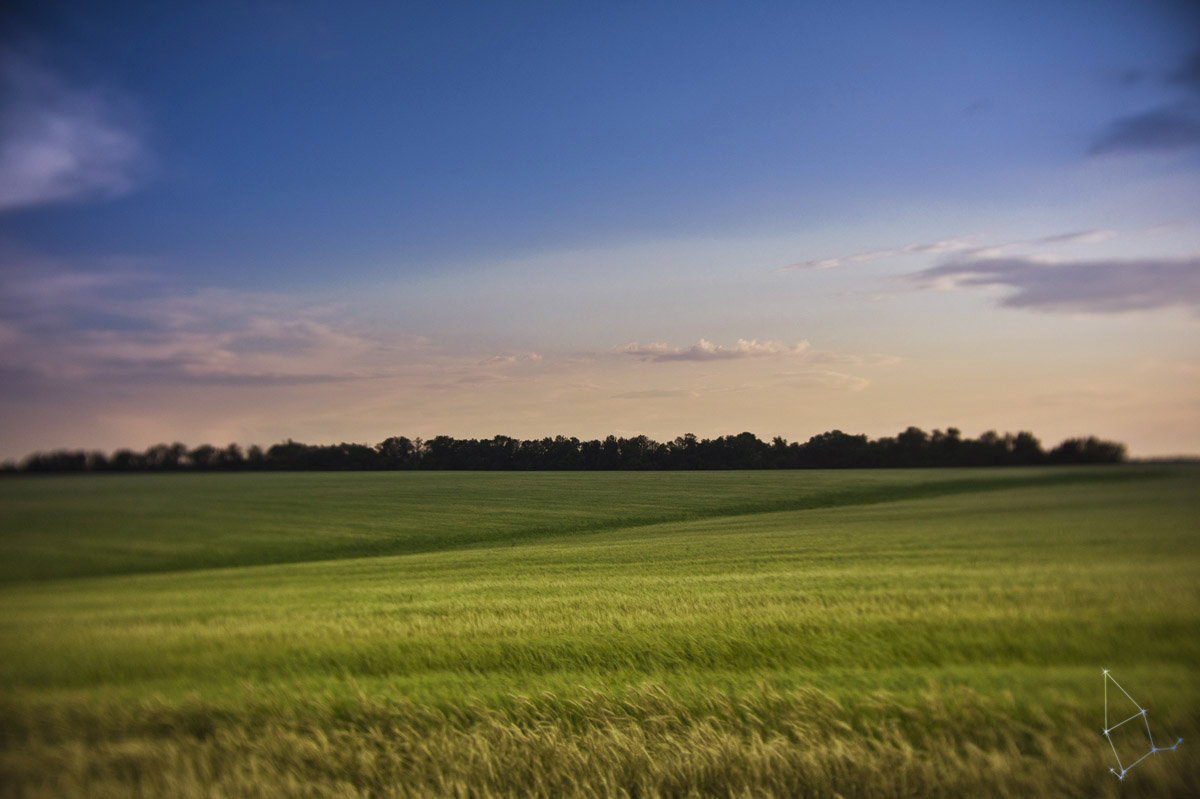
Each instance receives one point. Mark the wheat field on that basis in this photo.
(678, 634)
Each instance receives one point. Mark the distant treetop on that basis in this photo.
(833, 450)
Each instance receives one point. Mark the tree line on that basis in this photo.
(833, 450)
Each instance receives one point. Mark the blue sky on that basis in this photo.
(247, 221)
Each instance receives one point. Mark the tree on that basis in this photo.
(912, 448)
(1088, 450)
(397, 452)
(440, 453)
(166, 456)
(125, 460)
(836, 450)
(1027, 450)
(610, 453)
(287, 455)
(205, 457)
(255, 457)
(231, 457)
(832, 450)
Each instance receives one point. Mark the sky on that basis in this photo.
(251, 221)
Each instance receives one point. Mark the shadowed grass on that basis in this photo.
(86, 525)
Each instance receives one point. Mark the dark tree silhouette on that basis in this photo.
(1088, 450)
(833, 450)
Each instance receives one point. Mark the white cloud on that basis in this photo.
(62, 141)
(705, 350)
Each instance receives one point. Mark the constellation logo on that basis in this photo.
(1131, 742)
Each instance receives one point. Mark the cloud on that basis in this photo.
(947, 245)
(69, 323)
(81, 325)
(49, 295)
(1089, 286)
(1006, 248)
(62, 141)
(956, 245)
(704, 350)
(508, 360)
(1076, 237)
(261, 349)
(1163, 129)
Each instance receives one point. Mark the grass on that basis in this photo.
(937, 633)
(118, 524)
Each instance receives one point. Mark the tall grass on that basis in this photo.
(947, 644)
(642, 742)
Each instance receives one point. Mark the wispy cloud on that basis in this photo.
(110, 321)
(1039, 281)
(1007, 248)
(965, 247)
(69, 323)
(1089, 286)
(925, 248)
(263, 349)
(705, 350)
(1074, 237)
(61, 140)
(509, 360)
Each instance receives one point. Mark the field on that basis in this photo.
(637, 634)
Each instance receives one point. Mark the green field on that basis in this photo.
(641, 634)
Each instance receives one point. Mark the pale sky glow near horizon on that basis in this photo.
(252, 221)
